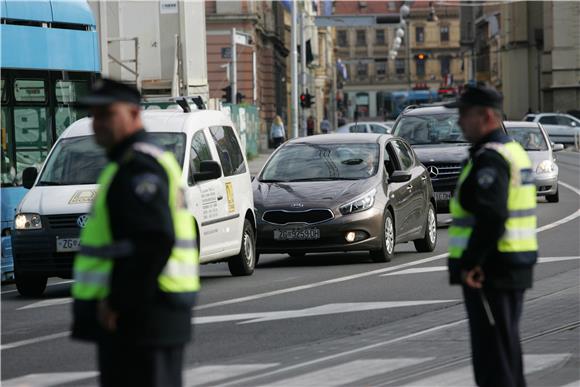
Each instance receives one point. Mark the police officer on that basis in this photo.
(492, 238)
(136, 275)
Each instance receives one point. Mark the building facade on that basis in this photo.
(432, 59)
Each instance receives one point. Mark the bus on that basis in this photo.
(50, 57)
(395, 102)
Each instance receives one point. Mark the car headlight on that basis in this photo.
(361, 203)
(27, 222)
(546, 166)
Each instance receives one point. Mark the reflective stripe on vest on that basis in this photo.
(94, 263)
(520, 227)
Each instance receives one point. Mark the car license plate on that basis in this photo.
(442, 196)
(297, 234)
(67, 245)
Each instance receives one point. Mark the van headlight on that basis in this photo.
(27, 222)
(359, 204)
(546, 166)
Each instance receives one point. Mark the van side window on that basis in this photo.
(229, 151)
(199, 152)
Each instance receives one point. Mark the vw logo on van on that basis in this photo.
(433, 171)
(82, 221)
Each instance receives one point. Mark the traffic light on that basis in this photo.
(421, 56)
(240, 97)
(306, 100)
(227, 97)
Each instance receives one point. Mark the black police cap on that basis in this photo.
(107, 91)
(478, 96)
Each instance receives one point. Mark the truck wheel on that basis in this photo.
(429, 241)
(386, 253)
(245, 261)
(30, 285)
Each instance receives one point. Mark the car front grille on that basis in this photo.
(63, 221)
(308, 216)
(443, 171)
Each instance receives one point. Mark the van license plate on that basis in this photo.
(67, 245)
(297, 234)
(442, 196)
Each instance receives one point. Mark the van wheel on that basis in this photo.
(30, 285)
(555, 198)
(386, 253)
(429, 241)
(245, 262)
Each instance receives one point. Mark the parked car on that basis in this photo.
(533, 137)
(344, 192)
(436, 138)
(561, 127)
(365, 127)
(215, 174)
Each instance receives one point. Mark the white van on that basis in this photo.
(215, 174)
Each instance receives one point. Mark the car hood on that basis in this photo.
(537, 157)
(442, 153)
(59, 200)
(304, 195)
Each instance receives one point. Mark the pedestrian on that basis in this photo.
(277, 132)
(492, 238)
(310, 123)
(136, 275)
(325, 126)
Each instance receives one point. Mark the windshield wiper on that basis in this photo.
(49, 183)
(324, 179)
(272, 181)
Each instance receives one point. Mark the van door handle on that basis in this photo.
(220, 197)
(410, 187)
(423, 178)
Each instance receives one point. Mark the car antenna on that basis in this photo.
(184, 105)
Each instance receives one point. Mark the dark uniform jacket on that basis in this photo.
(484, 193)
(138, 204)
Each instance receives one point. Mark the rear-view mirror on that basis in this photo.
(557, 147)
(399, 177)
(29, 176)
(209, 170)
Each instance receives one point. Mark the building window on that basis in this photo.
(362, 70)
(400, 66)
(380, 37)
(361, 38)
(419, 34)
(420, 67)
(444, 32)
(342, 38)
(445, 64)
(381, 68)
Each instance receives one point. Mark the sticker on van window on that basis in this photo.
(84, 196)
(230, 195)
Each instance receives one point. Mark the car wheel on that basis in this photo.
(297, 255)
(245, 262)
(555, 198)
(386, 253)
(30, 285)
(429, 241)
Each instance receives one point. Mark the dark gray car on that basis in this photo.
(344, 192)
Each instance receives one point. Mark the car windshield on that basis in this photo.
(318, 162)
(531, 139)
(432, 129)
(79, 160)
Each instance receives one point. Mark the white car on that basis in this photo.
(540, 149)
(561, 127)
(215, 173)
(365, 127)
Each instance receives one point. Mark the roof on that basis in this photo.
(162, 121)
(338, 138)
(422, 111)
(520, 124)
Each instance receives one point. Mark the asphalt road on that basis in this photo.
(332, 319)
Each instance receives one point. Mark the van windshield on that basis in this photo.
(79, 160)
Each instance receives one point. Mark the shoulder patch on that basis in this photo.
(146, 186)
(486, 177)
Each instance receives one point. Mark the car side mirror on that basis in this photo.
(29, 176)
(557, 147)
(208, 170)
(399, 177)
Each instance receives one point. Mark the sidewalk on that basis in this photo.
(258, 162)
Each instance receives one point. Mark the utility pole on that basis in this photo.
(234, 72)
(294, 71)
(408, 47)
(303, 67)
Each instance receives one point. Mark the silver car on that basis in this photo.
(365, 127)
(533, 137)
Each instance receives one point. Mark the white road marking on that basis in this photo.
(48, 379)
(346, 353)
(34, 340)
(570, 187)
(315, 311)
(464, 375)
(573, 384)
(211, 374)
(348, 373)
(45, 303)
(557, 259)
(52, 284)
